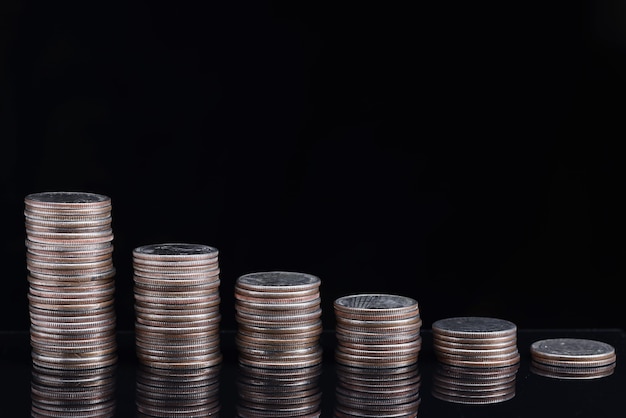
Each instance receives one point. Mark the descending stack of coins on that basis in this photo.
(478, 360)
(279, 325)
(378, 345)
(177, 306)
(572, 358)
(71, 302)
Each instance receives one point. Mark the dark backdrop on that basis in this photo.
(468, 155)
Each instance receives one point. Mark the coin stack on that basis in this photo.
(177, 306)
(279, 325)
(572, 358)
(378, 345)
(178, 393)
(71, 301)
(478, 360)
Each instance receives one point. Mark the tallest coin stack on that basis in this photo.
(71, 301)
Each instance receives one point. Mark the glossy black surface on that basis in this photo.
(535, 396)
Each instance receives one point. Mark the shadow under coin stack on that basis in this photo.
(572, 358)
(71, 303)
(378, 344)
(279, 325)
(177, 325)
(478, 360)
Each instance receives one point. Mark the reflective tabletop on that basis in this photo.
(330, 391)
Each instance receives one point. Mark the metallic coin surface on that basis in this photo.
(572, 349)
(378, 303)
(474, 327)
(281, 281)
(169, 251)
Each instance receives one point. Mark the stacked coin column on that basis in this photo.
(177, 324)
(378, 344)
(572, 358)
(71, 303)
(279, 325)
(477, 360)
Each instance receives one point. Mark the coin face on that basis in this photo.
(375, 301)
(277, 279)
(572, 349)
(474, 326)
(67, 197)
(183, 249)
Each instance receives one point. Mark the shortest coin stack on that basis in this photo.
(177, 306)
(378, 344)
(279, 325)
(478, 360)
(572, 358)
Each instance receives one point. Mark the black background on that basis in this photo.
(468, 155)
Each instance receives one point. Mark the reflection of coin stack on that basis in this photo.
(279, 324)
(71, 302)
(178, 393)
(177, 305)
(572, 358)
(378, 344)
(478, 360)
(73, 395)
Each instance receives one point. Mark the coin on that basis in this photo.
(176, 251)
(376, 306)
(278, 281)
(474, 327)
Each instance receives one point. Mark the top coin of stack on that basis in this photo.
(177, 305)
(572, 358)
(71, 282)
(377, 330)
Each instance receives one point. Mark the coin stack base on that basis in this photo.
(278, 317)
(572, 358)
(477, 358)
(378, 344)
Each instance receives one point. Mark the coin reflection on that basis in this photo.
(278, 392)
(178, 392)
(377, 392)
(467, 385)
(73, 393)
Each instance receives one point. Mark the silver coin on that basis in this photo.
(175, 250)
(69, 198)
(277, 281)
(572, 349)
(379, 302)
(474, 327)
